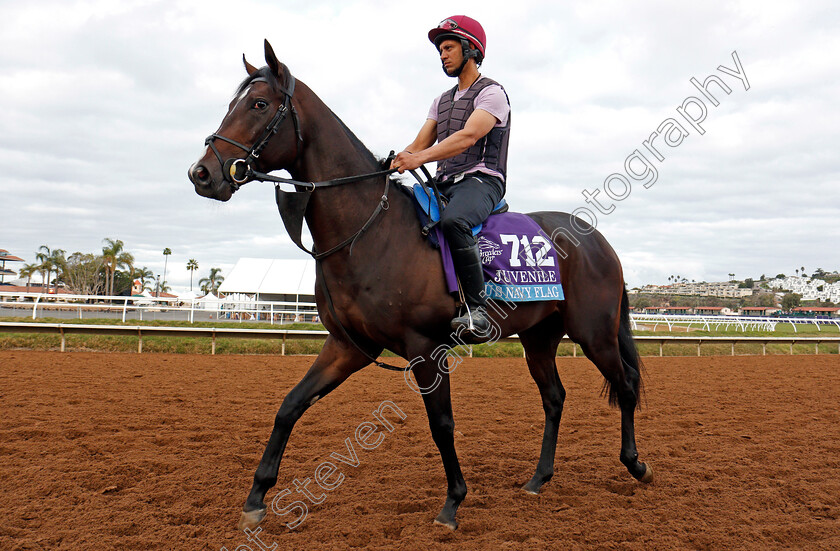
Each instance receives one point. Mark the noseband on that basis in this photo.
(241, 171)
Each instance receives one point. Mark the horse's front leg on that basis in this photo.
(433, 382)
(333, 366)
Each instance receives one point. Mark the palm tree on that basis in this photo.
(143, 274)
(115, 257)
(59, 264)
(192, 265)
(27, 271)
(166, 252)
(49, 260)
(210, 284)
(44, 266)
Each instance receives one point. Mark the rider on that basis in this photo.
(471, 125)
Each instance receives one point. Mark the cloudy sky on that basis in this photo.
(105, 104)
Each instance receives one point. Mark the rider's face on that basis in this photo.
(451, 55)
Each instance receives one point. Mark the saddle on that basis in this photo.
(519, 263)
(428, 203)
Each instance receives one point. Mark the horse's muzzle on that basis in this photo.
(206, 184)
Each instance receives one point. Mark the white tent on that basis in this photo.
(209, 302)
(272, 279)
(189, 296)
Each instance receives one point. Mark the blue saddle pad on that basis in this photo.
(430, 206)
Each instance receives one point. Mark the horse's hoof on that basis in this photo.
(647, 478)
(531, 489)
(451, 524)
(250, 519)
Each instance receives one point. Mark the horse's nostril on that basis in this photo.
(200, 174)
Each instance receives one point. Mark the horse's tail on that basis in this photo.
(630, 358)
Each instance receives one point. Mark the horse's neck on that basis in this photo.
(330, 152)
(328, 149)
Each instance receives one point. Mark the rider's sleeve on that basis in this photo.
(493, 100)
(433, 110)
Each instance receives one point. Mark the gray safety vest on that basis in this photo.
(452, 117)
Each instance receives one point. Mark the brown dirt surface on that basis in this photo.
(155, 451)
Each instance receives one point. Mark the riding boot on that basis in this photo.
(473, 325)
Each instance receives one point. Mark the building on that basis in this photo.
(6, 257)
(808, 288)
(817, 311)
(709, 310)
(726, 289)
(761, 311)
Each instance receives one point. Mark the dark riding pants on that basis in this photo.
(470, 203)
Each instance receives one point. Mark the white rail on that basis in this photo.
(232, 309)
(140, 331)
(153, 308)
(714, 323)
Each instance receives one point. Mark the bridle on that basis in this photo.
(241, 171)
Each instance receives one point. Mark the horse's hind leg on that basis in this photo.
(334, 364)
(540, 343)
(623, 380)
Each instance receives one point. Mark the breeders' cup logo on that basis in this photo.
(488, 249)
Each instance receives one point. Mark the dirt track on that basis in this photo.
(127, 451)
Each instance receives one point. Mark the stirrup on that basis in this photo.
(474, 324)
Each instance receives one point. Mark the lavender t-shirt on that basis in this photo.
(491, 99)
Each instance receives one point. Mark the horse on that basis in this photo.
(383, 286)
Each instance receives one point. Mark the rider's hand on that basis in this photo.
(405, 160)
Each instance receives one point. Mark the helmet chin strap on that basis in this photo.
(468, 53)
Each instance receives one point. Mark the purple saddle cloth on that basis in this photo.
(520, 264)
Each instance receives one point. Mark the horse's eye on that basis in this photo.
(260, 104)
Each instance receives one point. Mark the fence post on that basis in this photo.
(125, 306)
(35, 308)
(213, 346)
(764, 349)
(698, 348)
(283, 346)
(61, 330)
(733, 348)
(139, 341)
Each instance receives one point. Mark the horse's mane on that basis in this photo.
(266, 74)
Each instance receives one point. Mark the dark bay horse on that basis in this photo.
(387, 291)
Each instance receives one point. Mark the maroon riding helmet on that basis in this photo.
(467, 31)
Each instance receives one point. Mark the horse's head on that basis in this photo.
(254, 135)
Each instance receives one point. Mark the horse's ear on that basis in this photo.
(248, 67)
(271, 59)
